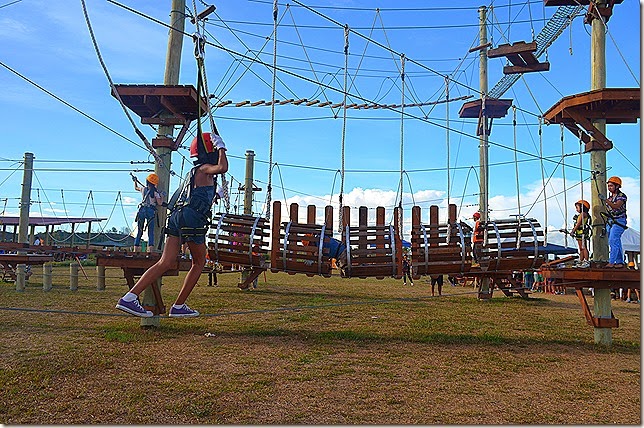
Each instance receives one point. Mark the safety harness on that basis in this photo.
(182, 197)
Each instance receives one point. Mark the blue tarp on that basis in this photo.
(558, 250)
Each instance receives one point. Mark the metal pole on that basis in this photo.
(602, 302)
(171, 77)
(483, 138)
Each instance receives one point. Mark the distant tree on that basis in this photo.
(125, 230)
(113, 230)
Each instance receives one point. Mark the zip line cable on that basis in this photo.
(344, 128)
(18, 168)
(311, 81)
(381, 45)
(138, 132)
(56, 97)
(399, 9)
(272, 128)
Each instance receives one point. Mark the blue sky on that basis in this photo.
(49, 44)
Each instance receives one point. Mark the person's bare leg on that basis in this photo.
(167, 261)
(198, 252)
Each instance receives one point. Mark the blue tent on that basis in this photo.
(557, 250)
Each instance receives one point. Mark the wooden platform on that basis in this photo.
(163, 105)
(596, 278)
(576, 113)
(521, 55)
(9, 262)
(494, 109)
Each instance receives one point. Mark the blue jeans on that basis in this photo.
(146, 215)
(616, 255)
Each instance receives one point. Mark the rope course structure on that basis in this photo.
(552, 29)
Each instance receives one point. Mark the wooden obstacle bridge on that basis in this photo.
(301, 247)
(440, 248)
(240, 240)
(373, 251)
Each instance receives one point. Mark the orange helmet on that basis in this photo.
(476, 216)
(584, 203)
(153, 178)
(615, 180)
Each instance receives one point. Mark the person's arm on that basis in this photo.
(615, 205)
(220, 168)
(158, 199)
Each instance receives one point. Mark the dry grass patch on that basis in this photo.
(316, 351)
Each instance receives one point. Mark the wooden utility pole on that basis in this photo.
(23, 222)
(248, 182)
(602, 302)
(171, 77)
(483, 138)
(248, 196)
(25, 198)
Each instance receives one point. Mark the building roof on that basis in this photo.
(48, 221)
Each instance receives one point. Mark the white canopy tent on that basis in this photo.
(631, 240)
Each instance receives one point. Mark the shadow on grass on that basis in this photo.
(434, 338)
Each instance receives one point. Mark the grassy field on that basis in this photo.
(301, 350)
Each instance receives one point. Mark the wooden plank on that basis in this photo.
(517, 69)
(295, 266)
(356, 261)
(515, 48)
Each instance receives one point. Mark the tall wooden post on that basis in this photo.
(171, 77)
(602, 302)
(483, 138)
(248, 196)
(25, 199)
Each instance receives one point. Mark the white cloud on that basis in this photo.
(128, 200)
(560, 205)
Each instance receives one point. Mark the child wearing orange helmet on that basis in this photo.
(581, 232)
(147, 208)
(478, 236)
(615, 204)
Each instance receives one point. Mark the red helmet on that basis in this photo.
(203, 148)
(207, 145)
(476, 216)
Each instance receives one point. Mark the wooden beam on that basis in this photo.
(516, 69)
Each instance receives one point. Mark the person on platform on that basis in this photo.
(615, 205)
(478, 235)
(581, 232)
(147, 208)
(190, 211)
